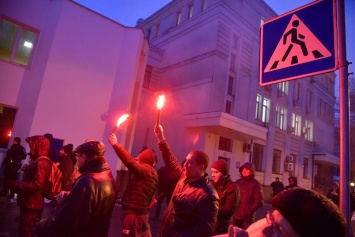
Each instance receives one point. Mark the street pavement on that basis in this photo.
(9, 211)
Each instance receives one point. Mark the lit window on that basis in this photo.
(191, 9)
(16, 41)
(178, 18)
(296, 125)
(308, 133)
(257, 107)
(280, 117)
(282, 87)
(265, 111)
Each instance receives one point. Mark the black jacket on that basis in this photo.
(229, 201)
(251, 196)
(86, 211)
(192, 211)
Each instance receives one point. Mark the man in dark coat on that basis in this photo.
(251, 197)
(193, 208)
(30, 198)
(139, 194)
(277, 186)
(86, 210)
(228, 193)
(11, 164)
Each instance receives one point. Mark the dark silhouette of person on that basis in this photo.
(277, 186)
(295, 40)
(166, 186)
(11, 164)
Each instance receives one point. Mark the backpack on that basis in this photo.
(53, 184)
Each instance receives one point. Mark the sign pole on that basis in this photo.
(344, 118)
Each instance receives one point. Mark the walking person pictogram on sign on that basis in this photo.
(294, 39)
(296, 46)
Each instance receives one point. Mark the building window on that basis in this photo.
(157, 29)
(276, 161)
(230, 85)
(204, 5)
(232, 63)
(305, 168)
(191, 10)
(297, 91)
(257, 159)
(282, 87)
(178, 18)
(225, 144)
(296, 125)
(17, 41)
(309, 100)
(147, 34)
(258, 107)
(308, 131)
(235, 42)
(228, 107)
(280, 117)
(265, 111)
(147, 76)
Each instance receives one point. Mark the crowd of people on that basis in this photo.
(198, 204)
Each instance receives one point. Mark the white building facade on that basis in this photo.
(69, 71)
(204, 56)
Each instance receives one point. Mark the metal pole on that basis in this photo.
(344, 117)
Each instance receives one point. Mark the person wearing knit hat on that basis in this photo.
(140, 192)
(298, 212)
(228, 193)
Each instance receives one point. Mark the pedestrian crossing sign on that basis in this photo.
(300, 43)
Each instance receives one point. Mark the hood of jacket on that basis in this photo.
(248, 165)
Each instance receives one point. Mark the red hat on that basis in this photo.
(147, 156)
(222, 166)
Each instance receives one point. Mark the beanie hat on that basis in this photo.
(310, 213)
(92, 147)
(68, 149)
(147, 156)
(222, 166)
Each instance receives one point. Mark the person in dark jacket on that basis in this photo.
(277, 186)
(66, 166)
(86, 211)
(11, 164)
(166, 188)
(193, 208)
(251, 197)
(292, 180)
(30, 198)
(139, 194)
(53, 152)
(228, 193)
